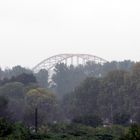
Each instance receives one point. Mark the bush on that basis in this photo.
(71, 132)
(132, 134)
(10, 131)
(5, 128)
(20, 132)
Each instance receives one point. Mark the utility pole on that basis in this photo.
(36, 120)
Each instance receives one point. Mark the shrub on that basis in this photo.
(132, 134)
(5, 127)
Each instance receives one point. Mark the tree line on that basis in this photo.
(105, 91)
(75, 101)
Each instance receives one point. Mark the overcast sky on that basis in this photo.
(32, 30)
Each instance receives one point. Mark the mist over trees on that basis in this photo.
(76, 98)
(66, 78)
(94, 89)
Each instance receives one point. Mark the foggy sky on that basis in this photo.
(32, 30)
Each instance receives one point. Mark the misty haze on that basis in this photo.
(69, 70)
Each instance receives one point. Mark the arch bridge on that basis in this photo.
(68, 59)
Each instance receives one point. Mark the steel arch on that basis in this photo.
(51, 62)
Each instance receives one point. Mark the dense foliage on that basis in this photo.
(92, 102)
(114, 97)
(17, 131)
(67, 78)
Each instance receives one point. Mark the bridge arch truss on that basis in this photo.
(77, 59)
